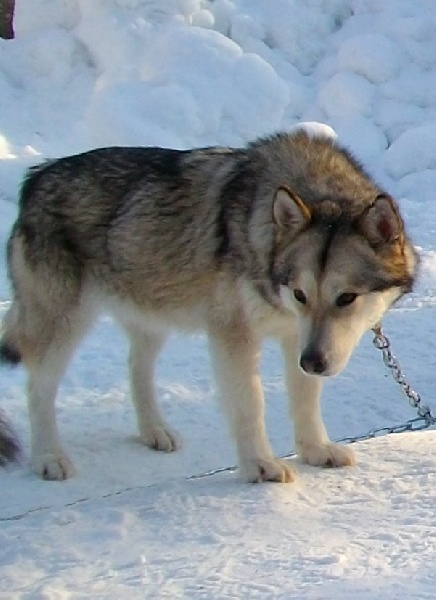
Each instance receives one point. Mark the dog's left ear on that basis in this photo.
(381, 223)
(289, 211)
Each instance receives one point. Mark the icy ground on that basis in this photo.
(132, 524)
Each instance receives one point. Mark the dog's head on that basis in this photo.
(338, 273)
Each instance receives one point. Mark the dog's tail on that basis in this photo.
(10, 448)
(9, 444)
(9, 355)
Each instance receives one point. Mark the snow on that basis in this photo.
(134, 523)
(420, 140)
(215, 538)
(374, 56)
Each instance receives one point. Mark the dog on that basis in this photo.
(287, 237)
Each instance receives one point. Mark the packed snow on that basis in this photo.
(138, 524)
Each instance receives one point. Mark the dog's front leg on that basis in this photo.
(311, 439)
(235, 357)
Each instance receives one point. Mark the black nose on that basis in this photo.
(313, 362)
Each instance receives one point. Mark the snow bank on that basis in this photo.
(190, 72)
(167, 103)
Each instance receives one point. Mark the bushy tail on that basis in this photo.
(8, 354)
(9, 444)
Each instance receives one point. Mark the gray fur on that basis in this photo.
(188, 239)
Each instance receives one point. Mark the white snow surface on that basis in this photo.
(133, 523)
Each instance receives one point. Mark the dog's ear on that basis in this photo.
(381, 223)
(289, 211)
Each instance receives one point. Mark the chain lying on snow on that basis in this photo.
(422, 421)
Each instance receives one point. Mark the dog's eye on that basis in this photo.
(345, 299)
(300, 296)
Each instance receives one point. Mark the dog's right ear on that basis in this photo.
(381, 222)
(289, 211)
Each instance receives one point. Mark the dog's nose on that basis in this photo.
(313, 362)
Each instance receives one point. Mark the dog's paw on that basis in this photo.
(267, 469)
(327, 455)
(161, 438)
(53, 467)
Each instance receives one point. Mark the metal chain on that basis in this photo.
(424, 419)
(382, 343)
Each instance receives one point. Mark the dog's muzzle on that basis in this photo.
(313, 362)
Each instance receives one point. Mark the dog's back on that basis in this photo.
(113, 211)
(135, 224)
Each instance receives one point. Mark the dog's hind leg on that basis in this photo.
(47, 318)
(45, 369)
(48, 459)
(153, 430)
(311, 439)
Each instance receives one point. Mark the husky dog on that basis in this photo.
(288, 237)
